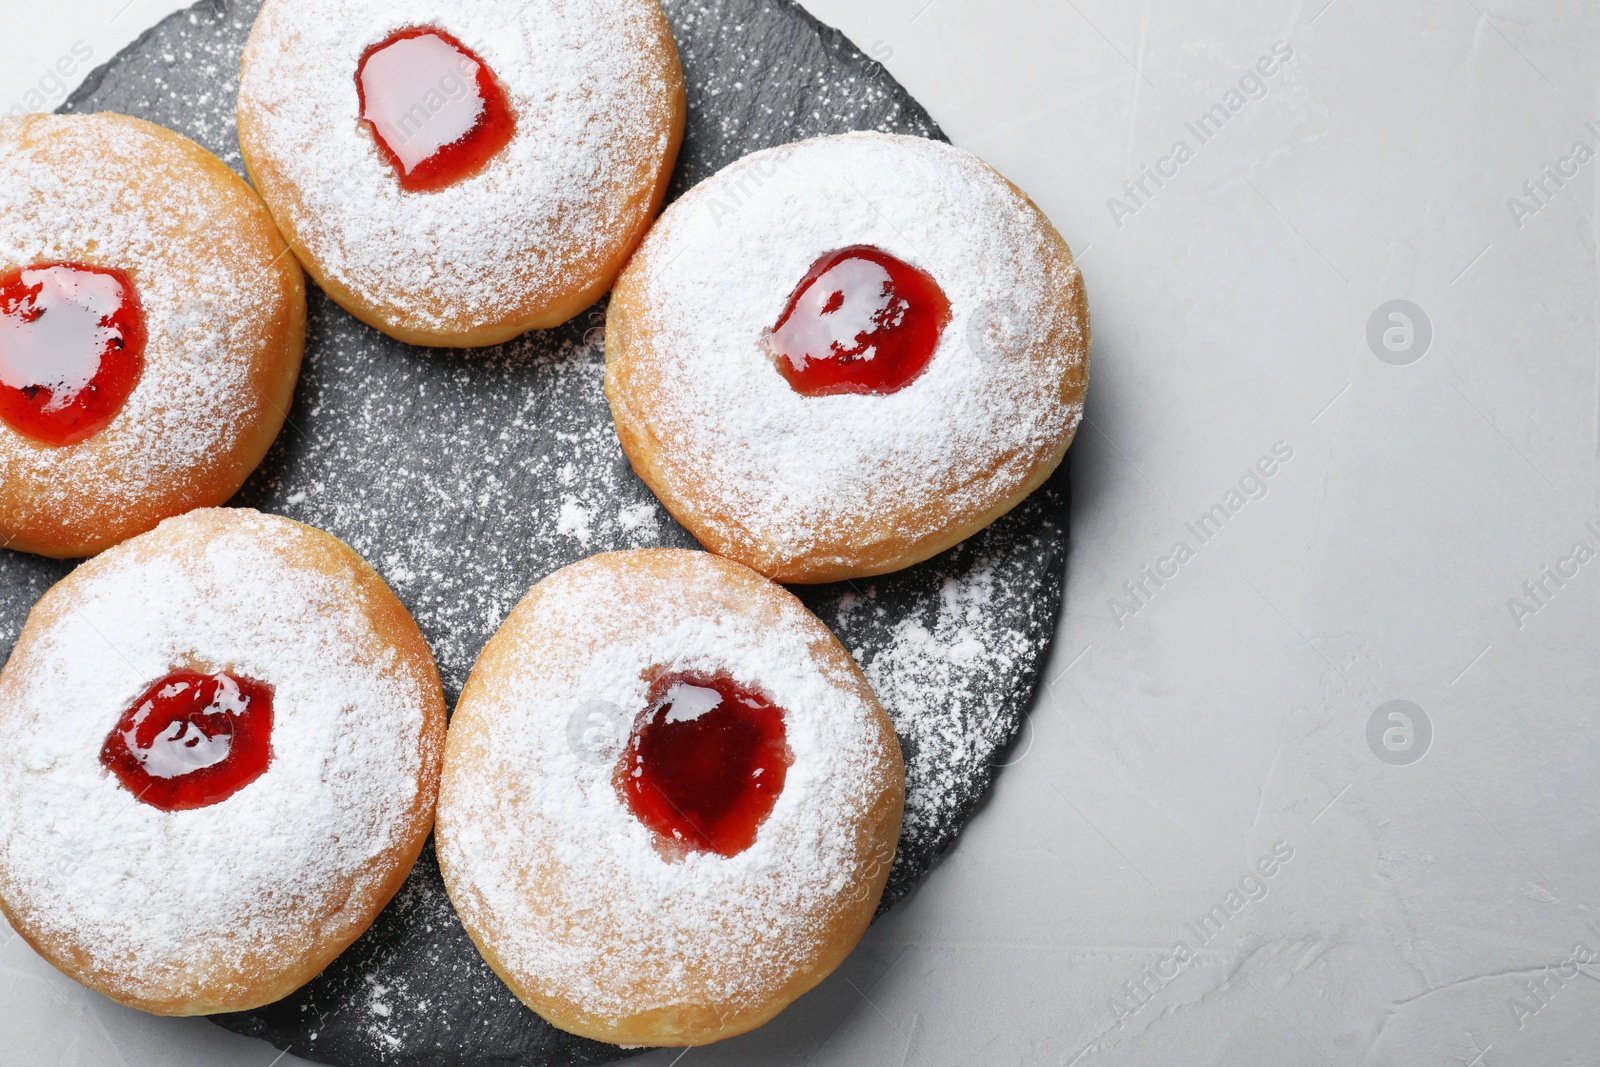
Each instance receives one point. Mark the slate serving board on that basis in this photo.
(464, 477)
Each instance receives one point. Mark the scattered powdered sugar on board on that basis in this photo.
(87, 866)
(952, 647)
(450, 472)
(591, 115)
(462, 478)
(606, 921)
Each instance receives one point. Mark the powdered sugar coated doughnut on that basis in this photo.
(235, 904)
(820, 488)
(586, 912)
(224, 308)
(533, 238)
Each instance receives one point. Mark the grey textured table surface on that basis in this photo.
(1430, 912)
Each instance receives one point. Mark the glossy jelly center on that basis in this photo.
(705, 763)
(72, 343)
(192, 740)
(861, 321)
(433, 106)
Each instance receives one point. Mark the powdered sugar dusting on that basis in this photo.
(464, 480)
(168, 900)
(114, 193)
(793, 469)
(966, 640)
(586, 84)
(449, 471)
(540, 847)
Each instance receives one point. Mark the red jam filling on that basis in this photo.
(71, 349)
(433, 106)
(705, 763)
(861, 321)
(192, 740)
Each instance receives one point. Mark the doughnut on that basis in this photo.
(151, 326)
(669, 801)
(839, 357)
(219, 753)
(457, 175)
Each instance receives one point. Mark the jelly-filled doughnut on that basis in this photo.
(151, 326)
(219, 753)
(670, 799)
(839, 357)
(458, 174)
